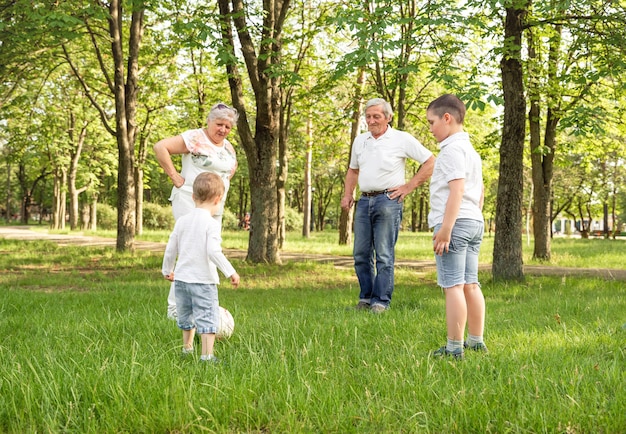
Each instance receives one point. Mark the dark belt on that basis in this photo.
(373, 193)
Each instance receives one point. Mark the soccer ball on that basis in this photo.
(227, 324)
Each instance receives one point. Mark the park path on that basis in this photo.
(27, 233)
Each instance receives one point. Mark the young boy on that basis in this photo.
(196, 241)
(456, 199)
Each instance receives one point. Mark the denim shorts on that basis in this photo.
(197, 306)
(459, 265)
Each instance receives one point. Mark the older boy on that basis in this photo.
(196, 241)
(456, 200)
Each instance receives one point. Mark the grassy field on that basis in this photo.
(566, 252)
(86, 348)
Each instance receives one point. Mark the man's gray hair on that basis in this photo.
(387, 110)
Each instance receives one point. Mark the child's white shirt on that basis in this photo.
(457, 159)
(194, 249)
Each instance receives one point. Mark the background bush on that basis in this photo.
(157, 216)
(229, 221)
(106, 216)
(293, 219)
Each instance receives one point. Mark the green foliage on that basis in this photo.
(411, 51)
(293, 219)
(106, 217)
(102, 357)
(230, 221)
(157, 216)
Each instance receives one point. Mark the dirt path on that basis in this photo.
(26, 233)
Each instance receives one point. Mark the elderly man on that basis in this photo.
(378, 165)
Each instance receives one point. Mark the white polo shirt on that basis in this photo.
(457, 160)
(381, 162)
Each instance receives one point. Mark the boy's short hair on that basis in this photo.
(448, 103)
(207, 186)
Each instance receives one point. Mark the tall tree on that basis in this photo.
(122, 81)
(261, 146)
(125, 88)
(301, 62)
(507, 251)
(564, 75)
(347, 216)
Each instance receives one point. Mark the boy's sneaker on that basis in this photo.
(443, 352)
(187, 351)
(481, 347)
(209, 360)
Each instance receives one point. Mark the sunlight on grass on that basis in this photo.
(566, 252)
(87, 348)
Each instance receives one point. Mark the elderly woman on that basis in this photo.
(202, 150)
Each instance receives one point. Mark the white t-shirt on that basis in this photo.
(204, 156)
(457, 159)
(196, 241)
(381, 162)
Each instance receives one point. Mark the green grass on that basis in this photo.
(86, 348)
(566, 252)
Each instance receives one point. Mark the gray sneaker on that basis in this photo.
(443, 352)
(211, 360)
(481, 347)
(378, 308)
(362, 305)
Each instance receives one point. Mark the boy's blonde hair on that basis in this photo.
(448, 103)
(207, 186)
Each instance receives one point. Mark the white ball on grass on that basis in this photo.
(227, 324)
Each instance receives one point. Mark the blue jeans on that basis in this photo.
(376, 226)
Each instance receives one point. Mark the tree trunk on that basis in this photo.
(142, 155)
(263, 246)
(345, 220)
(542, 168)
(507, 252)
(93, 206)
(262, 146)
(74, 207)
(283, 168)
(542, 157)
(8, 193)
(85, 215)
(77, 146)
(139, 200)
(308, 198)
(125, 119)
(27, 191)
(423, 217)
(58, 204)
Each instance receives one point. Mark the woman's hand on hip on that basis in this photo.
(178, 180)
